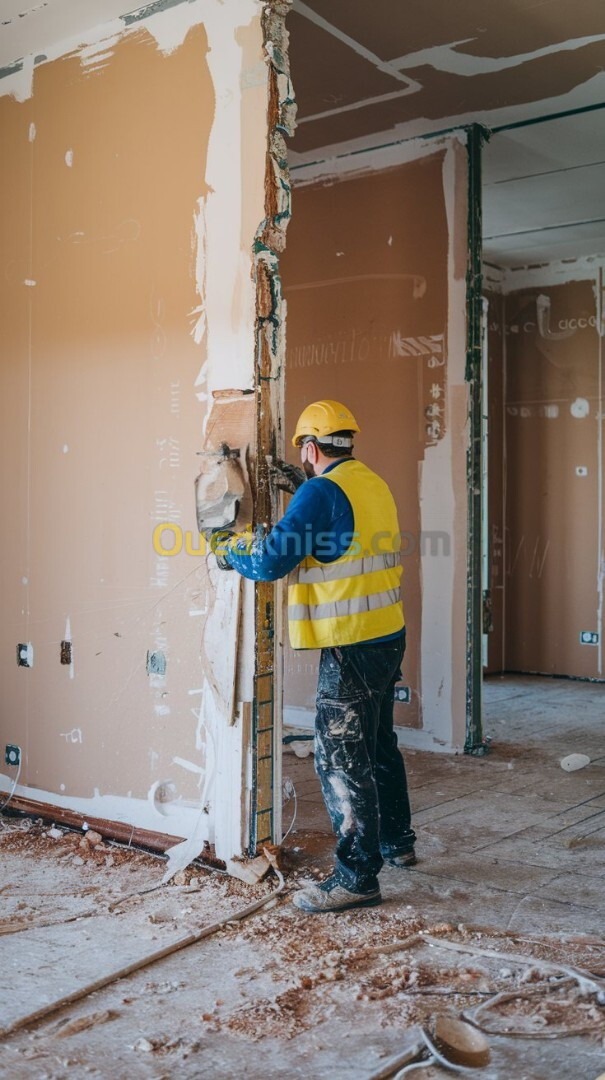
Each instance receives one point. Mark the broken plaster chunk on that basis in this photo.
(251, 871)
(55, 833)
(93, 838)
(574, 761)
(143, 1046)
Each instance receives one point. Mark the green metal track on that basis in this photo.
(474, 309)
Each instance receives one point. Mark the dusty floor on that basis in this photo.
(512, 856)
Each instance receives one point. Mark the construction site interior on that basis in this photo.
(213, 213)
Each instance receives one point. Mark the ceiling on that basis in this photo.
(369, 72)
(395, 69)
(544, 192)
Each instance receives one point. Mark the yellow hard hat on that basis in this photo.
(321, 419)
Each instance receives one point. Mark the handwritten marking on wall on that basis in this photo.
(175, 398)
(360, 346)
(73, 736)
(548, 410)
(158, 336)
(170, 451)
(165, 509)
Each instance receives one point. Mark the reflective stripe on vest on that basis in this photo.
(333, 610)
(356, 597)
(349, 568)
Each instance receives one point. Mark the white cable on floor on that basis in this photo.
(289, 792)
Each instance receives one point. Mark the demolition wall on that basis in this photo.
(374, 276)
(545, 478)
(132, 185)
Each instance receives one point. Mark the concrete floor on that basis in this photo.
(529, 837)
(512, 854)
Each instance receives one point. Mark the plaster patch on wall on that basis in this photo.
(217, 219)
(580, 408)
(189, 765)
(442, 683)
(168, 27)
(17, 79)
(448, 58)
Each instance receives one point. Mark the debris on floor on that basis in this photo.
(500, 926)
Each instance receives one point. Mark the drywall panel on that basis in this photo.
(553, 479)
(369, 274)
(133, 177)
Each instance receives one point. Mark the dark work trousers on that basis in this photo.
(361, 771)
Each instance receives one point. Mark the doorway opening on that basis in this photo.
(543, 280)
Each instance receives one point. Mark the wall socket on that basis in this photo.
(12, 754)
(403, 693)
(25, 654)
(589, 637)
(156, 663)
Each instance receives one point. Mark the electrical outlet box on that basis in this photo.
(66, 652)
(589, 637)
(12, 754)
(25, 654)
(403, 693)
(156, 663)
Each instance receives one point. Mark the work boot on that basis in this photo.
(406, 859)
(332, 896)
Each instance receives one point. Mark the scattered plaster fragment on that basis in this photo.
(65, 448)
(69, 158)
(32, 132)
(24, 580)
(29, 282)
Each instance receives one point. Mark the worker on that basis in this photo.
(339, 540)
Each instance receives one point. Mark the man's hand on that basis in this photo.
(286, 477)
(219, 542)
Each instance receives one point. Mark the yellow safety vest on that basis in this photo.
(357, 597)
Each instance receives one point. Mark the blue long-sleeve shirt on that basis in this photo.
(318, 521)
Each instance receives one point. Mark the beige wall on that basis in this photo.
(552, 513)
(131, 190)
(370, 274)
(552, 419)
